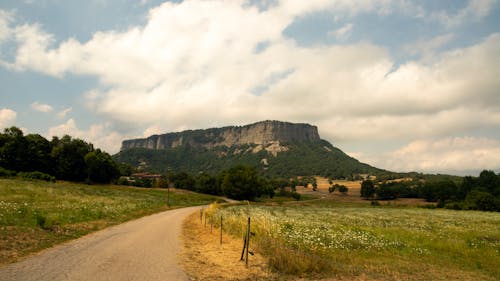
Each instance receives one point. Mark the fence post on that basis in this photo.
(201, 215)
(221, 229)
(244, 247)
(248, 241)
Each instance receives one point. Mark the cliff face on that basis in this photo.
(261, 133)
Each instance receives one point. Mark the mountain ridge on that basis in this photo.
(276, 148)
(261, 133)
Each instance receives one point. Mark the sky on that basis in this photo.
(402, 85)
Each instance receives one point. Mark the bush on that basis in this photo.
(343, 189)
(454, 206)
(480, 200)
(296, 196)
(37, 176)
(6, 173)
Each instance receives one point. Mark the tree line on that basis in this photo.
(471, 193)
(239, 182)
(65, 158)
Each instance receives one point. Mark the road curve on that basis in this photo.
(143, 249)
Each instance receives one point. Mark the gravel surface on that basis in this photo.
(143, 249)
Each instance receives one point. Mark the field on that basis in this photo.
(35, 215)
(325, 239)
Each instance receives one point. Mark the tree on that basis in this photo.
(69, 155)
(367, 189)
(480, 200)
(207, 184)
(39, 150)
(182, 180)
(100, 167)
(241, 183)
(343, 189)
(14, 150)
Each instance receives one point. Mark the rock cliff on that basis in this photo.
(260, 133)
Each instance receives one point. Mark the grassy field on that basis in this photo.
(346, 241)
(35, 215)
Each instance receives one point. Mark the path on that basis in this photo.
(143, 249)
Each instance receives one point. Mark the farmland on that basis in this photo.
(35, 215)
(349, 241)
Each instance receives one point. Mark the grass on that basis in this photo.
(355, 241)
(36, 214)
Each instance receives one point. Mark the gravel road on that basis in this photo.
(143, 249)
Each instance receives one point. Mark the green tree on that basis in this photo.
(14, 154)
(241, 183)
(480, 200)
(343, 189)
(367, 189)
(39, 150)
(207, 184)
(100, 167)
(69, 156)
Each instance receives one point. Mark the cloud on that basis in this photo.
(5, 20)
(62, 114)
(342, 33)
(190, 66)
(428, 47)
(100, 135)
(475, 10)
(452, 154)
(7, 117)
(41, 107)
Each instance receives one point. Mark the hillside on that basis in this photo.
(276, 148)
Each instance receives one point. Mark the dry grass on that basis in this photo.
(204, 258)
(353, 195)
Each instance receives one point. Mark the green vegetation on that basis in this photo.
(65, 159)
(240, 183)
(302, 158)
(472, 193)
(349, 241)
(38, 214)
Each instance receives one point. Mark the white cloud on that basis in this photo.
(342, 33)
(190, 66)
(475, 10)
(7, 117)
(41, 107)
(100, 135)
(5, 30)
(62, 114)
(427, 48)
(452, 154)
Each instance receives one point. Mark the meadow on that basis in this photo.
(36, 214)
(324, 239)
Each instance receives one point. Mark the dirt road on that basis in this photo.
(143, 249)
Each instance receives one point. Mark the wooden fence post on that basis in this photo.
(244, 247)
(221, 230)
(248, 241)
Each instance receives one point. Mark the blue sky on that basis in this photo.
(402, 85)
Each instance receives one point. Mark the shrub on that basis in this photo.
(343, 189)
(6, 173)
(37, 176)
(454, 205)
(480, 200)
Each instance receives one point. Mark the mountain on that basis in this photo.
(276, 148)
